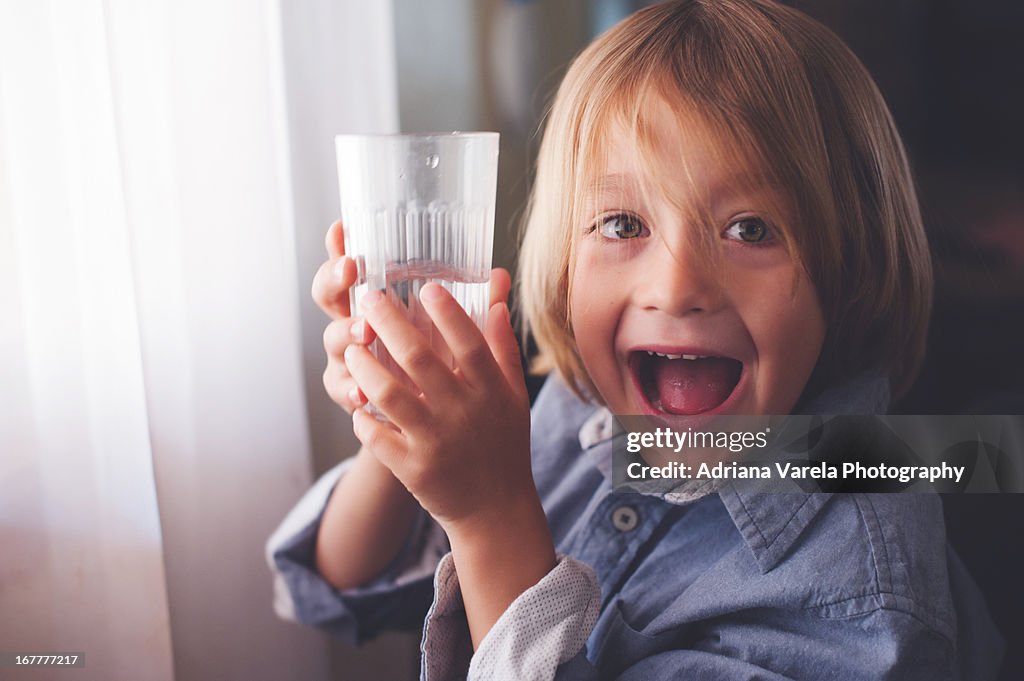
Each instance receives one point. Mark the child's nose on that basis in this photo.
(679, 282)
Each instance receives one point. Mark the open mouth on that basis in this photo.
(684, 385)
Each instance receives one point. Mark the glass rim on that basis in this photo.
(453, 134)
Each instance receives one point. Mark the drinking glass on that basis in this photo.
(417, 209)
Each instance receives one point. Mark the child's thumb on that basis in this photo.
(501, 338)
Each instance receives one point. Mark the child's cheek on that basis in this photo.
(596, 303)
(593, 289)
(782, 314)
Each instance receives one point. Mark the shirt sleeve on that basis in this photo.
(545, 627)
(398, 598)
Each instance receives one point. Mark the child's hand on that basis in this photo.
(462, 446)
(330, 291)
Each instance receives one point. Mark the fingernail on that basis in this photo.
(339, 268)
(371, 298)
(350, 352)
(432, 292)
(356, 331)
(355, 396)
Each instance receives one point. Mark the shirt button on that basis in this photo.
(625, 518)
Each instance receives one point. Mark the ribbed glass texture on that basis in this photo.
(416, 209)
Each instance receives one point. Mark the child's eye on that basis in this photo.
(620, 226)
(749, 230)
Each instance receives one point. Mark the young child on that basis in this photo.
(723, 222)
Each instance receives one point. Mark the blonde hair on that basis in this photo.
(780, 94)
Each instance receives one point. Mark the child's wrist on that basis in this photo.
(516, 528)
(375, 475)
(497, 558)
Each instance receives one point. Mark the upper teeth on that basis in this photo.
(671, 356)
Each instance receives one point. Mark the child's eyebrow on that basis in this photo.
(614, 187)
(610, 183)
(718, 192)
(745, 185)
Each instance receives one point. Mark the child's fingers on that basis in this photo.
(501, 338)
(341, 387)
(396, 401)
(361, 332)
(501, 284)
(408, 347)
(335, 240)
(386, 443)
(498, 329)
(345, 331)
(338, 336)
(338, 383)
(467, 344)
(331, 285)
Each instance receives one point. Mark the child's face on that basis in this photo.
(748, 333)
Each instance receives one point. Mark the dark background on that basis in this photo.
(954, 78)
(953, 75)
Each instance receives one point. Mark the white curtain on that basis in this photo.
(153, 416)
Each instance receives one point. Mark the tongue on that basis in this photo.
(694, 386)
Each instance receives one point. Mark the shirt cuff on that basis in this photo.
(302, 594)
(546, 626)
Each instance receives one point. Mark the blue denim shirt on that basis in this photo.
(735, 585)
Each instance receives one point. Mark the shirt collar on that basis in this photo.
(769, 522)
